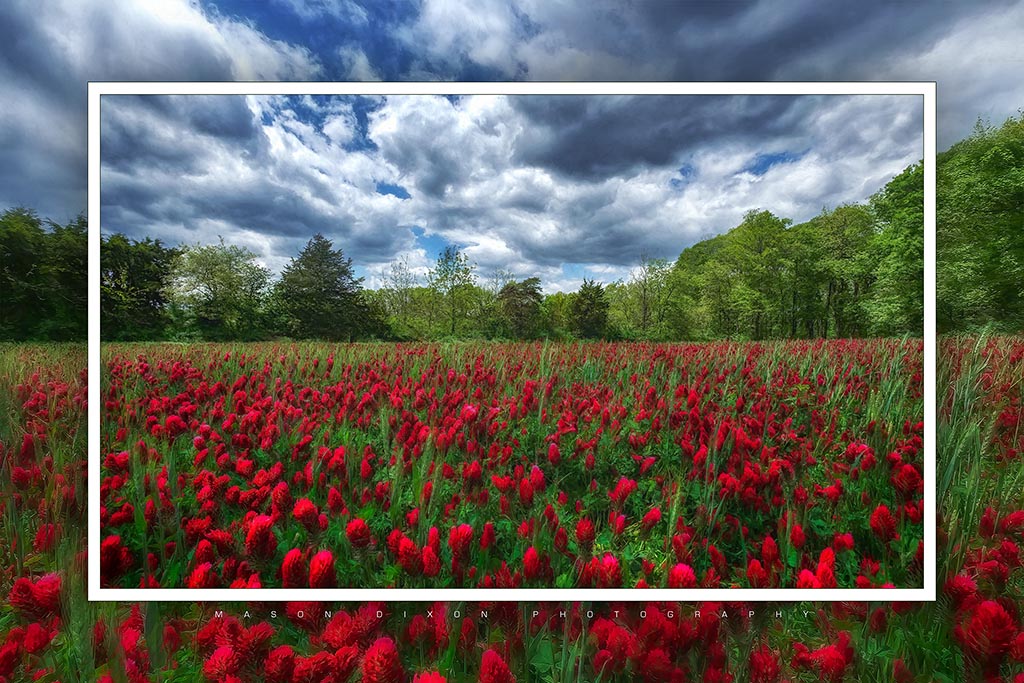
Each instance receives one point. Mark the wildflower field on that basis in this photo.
(789, 464)
(48, 632)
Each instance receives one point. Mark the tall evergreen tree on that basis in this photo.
(590, 310)
(319, 294)
(519, 304)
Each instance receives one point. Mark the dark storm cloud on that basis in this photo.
(971, 49)
(592, 137)
(197, 168)
(49, 51)
(222, 117)
(523, 199)
(147, 130)
(133, 205)
(783, 40)
(751, 40)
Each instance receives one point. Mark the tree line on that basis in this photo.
(43, 267)
(855, 270)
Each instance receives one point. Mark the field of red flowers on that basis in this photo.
(795, 464)
(48, 632)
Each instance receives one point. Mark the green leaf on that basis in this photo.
(543, 659)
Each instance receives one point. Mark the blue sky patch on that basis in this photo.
(431, 243)
(687, 173)
(763, 162)
(394, 190)
(368, 27)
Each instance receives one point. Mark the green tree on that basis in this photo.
(846, 234)
(519, 304)
(590, 310)
(319, 295)
(754, 251)
(896, 304)
(850, 271)
(428, 319)
(22, 277)
(679, 309)
(704, 285)
(556, 314)
(134, 278)
(653, 291)
(804, 305)
(980, 225)
(43, 277)
(218, 292)
(397, 297)
(453, 278)
(622, 311)
(373, 317)
(66, 271)
(485, 306)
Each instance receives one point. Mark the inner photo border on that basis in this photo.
(923, 89)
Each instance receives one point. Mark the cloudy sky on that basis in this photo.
(556, 187)
(49, 50)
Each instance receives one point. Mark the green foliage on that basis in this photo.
(453, 279)
(854, 271)
(21, 239)
(755, 250)
(980, 222)
(519, 304)
(218, 292)
(845, 236)
(590, 311)
(42, 277)
(897, 297)
(372, 317)
(397, 298)
(134, 277)
(556, 315)
(651, 305)
(65, 268)
(319, 295)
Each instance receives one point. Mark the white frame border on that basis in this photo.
(927, 593)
